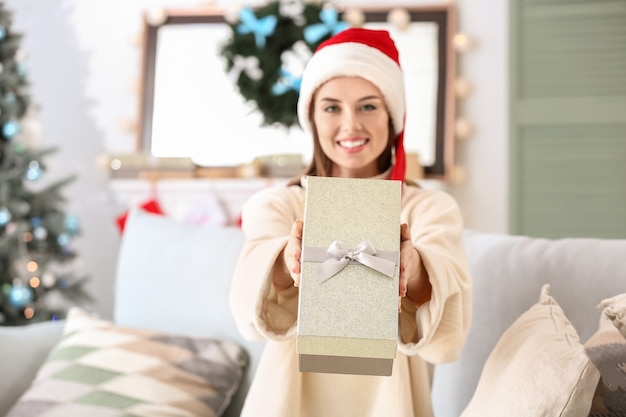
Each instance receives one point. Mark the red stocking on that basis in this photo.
(151, 206)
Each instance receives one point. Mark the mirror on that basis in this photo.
(190, 106)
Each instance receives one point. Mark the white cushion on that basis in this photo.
(537, 368)
(175, 277)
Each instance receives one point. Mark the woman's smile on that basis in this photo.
(353, 144)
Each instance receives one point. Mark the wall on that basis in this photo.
(84, 61)
(483, 196)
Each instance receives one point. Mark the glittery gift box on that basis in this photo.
(348, 320)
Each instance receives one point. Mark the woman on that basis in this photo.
(352, 103)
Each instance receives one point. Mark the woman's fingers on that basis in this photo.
(405, 233)
(407, 251)
(293, 251)
(296, 229)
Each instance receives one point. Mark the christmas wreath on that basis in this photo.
(268, 49)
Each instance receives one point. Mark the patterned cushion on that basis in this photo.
(537, 368)
(607, 351)
(99, 369)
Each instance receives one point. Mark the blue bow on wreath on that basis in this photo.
(330, 24)
(289, 82)
(261, 28)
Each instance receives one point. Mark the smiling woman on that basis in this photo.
(193, 101)
(352, 125)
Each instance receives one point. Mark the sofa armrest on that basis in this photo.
(22, 351)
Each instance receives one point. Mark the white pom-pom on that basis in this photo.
(354, 17)
(463, 129)
(156, 17)
(462, 88)
(399, 18)
(231, 14)
(463, 42)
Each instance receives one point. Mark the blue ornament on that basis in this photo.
(10, 129)
(34, 171)
(261, 28)
(330, 25)
(63, 239)
(72, 225)
(5, 216)
(3, 33)
(40, 233)
(286, 82)
(35, 221)
(19, 296)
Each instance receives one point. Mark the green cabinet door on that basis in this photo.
(568, 118)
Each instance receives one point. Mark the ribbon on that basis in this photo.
(249, 65)
(330, 24)
(261, 28)
(293, 10)
(338, 256)
(287, 82)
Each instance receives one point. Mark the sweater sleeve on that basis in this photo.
(437, 329)
(259, 309)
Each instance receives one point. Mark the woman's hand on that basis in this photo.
(291, 256)
(414, 282)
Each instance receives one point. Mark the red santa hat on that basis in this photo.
(366, 53)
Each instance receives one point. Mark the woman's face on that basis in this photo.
(352, 124)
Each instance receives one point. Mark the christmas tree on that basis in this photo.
(36, 281)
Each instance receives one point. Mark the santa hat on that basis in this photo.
(366, 53)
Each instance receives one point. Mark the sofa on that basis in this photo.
(537, 304)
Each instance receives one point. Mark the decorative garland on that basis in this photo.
(268, 49)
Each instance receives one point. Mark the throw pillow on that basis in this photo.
(537, 368)
(607, 351)
(100, 369)
(614, 308)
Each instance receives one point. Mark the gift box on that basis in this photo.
(348, 301)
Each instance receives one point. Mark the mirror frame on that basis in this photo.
(444, 15)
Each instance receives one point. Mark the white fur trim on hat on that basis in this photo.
(353, 59)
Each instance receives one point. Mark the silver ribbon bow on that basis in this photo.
(338, 256)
